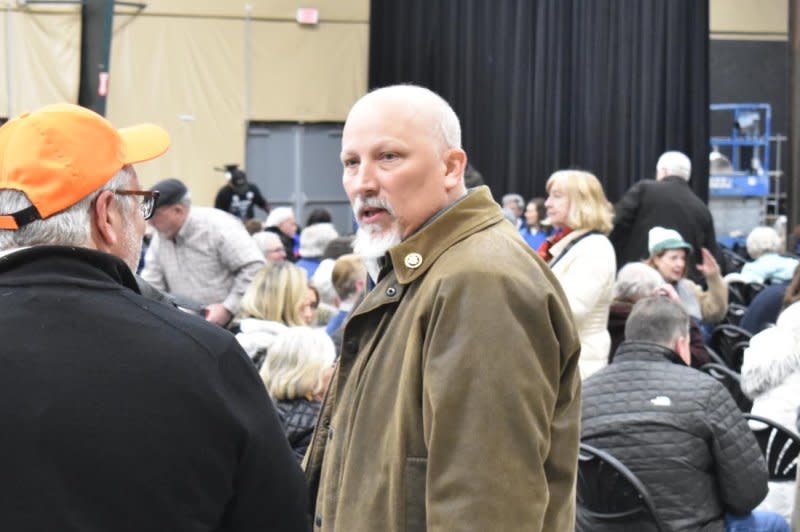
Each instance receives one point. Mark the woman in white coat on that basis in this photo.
(582, 258)
(771, 377)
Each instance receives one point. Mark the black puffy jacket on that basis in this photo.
(680, 432)
(299, 418)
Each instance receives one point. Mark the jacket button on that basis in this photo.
(391, 291)
(351, 346)
(318, 520)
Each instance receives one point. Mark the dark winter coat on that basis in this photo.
(669, 203)
(121, 413)
(680, 433)
(299, 417)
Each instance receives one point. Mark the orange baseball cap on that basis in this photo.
(61, 153)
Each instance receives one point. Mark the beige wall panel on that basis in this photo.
(186, 74)
(307, 74)
(749, 16)
(341, 10)
(44, 65)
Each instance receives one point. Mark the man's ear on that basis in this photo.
(455, 161)
(105, 221)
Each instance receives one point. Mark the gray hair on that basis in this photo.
(265, 240)
(278, 215)
(675, 163)
(70, 227)
(658, 320)
(296, 362)
(516, 198)
(314, 239)
(763, 240)
(636, 280)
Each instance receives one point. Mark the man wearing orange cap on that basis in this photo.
(118, 413)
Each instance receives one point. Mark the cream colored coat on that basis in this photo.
(586, 273)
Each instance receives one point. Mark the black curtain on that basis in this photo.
(541, 85)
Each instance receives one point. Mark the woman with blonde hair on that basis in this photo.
(276, 298)
(582, 258)
(296, 374)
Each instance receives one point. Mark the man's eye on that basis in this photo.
(389, 156)
(349, 163)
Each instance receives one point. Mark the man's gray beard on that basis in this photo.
(371, 247)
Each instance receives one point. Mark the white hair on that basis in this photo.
(278, 215)
(70, 227)
(447, 120)
(675, 163)
(763, 240)
(636, 280)
(296, 362)
(314, 238)
(265, 240)
(323, 282)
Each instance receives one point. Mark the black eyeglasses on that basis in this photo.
(147, 203)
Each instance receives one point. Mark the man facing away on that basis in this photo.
(455, 401)
(676, 428)
(668, 201)
(118, 413)
(200, 253)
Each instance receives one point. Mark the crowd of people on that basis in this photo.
(419, 385)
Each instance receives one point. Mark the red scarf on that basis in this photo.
(552, 240)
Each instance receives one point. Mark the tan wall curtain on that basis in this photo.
(188, 70)
(40, 58)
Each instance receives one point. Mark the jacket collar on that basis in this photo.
(675, 179)
(472, 213)
(558, 248)
(60, 264)
(635, 350)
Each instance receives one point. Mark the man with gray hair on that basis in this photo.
(635, 281)
(516, 204)
(668, 201)
(118, 413)
(199, 253)
(455, 401)
(676, 428)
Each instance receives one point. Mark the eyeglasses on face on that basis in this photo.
(148, 200)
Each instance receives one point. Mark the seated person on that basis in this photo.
(635, 281)
(677, 429)
(277, 298)
(771, 378)
(669, 255)
(768, 266)
(296, 373)
(313, 241)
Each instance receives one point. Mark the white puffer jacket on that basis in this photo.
(771, 377)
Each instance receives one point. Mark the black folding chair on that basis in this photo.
(734, 314)
(715, 357)
(732, 382)
(730, 341)
(731, 261)
(610, 496)
(779, 445)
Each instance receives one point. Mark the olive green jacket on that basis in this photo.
(456, 402)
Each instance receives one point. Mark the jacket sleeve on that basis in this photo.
(269, 491)
(625, 212)
(740, 468)
(714, 301)
(240, 254)
(152, 272)
(501, 406)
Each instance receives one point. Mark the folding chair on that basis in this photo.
(780, 447)
(610, 496)
(732, 382)
(730, 341)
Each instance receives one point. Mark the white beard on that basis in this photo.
(371, 245)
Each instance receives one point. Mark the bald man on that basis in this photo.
(455, 403)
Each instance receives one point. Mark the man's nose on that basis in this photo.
(364, 181)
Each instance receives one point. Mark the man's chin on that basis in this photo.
(373, 241)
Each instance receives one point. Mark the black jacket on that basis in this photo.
(669, 203)
(299, 418)
(680, 432)
(240, 204)
(121, 413)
